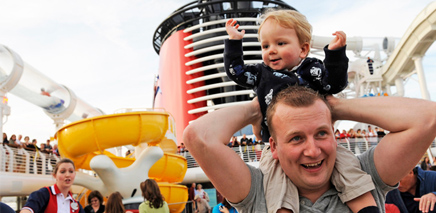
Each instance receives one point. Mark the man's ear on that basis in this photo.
(305, 47)
(333, 131)
(273, 146)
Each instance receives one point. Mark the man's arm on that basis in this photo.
(412, 126)
(207, 138)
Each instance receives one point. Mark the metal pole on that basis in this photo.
(421, 77)
(423, 86)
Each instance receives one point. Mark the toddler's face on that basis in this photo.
(281, 48)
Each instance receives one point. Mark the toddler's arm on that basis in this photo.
(339, 41)
(232, 30)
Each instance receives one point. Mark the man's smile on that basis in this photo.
(313, 165)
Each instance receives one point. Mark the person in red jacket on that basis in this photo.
(56, 198)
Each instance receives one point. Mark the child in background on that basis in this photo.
(285, 37)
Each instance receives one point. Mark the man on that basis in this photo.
(191, 196)
(201, 205)
(417, 192)
(303, 142)
(244, 140)
(370, 67)
(48, 148)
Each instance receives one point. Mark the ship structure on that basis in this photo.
(190, 42)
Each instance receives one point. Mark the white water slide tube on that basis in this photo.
(24, 81)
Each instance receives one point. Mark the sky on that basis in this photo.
(102, 50)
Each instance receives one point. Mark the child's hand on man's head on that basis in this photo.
(232, 30)
(339, 41)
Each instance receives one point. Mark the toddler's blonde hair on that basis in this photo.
(290, 19)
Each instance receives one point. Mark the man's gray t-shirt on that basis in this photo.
(328, 202)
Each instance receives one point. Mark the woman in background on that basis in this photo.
(200, 192)
(153, 199)
(114, 203)
(95, 200)
(425, 164)
(5, 138)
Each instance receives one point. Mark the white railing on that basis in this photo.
(19, 160)
(251, 154)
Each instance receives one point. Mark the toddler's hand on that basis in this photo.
(339, 41)
(233, 31)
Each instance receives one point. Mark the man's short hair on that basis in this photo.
(294, 96)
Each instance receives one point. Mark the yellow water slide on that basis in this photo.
(81, 141)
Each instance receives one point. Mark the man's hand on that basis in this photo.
(426, 202)
(256, 115)
(339, 41)
(333, 101)
(232, 30)
(256, 131)
(224, 209)
(257, 124)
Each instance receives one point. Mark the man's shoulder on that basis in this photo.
(428, 177)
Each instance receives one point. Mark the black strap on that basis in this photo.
(369, 209)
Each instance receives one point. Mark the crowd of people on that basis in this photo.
(360, 133)
(19, 142)
(243, 141)
(233, 142)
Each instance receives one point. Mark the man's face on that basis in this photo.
(407, 182)
(305, 145)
